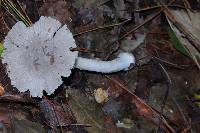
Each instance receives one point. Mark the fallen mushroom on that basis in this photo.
(39, 55)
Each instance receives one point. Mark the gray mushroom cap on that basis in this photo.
(39, 55)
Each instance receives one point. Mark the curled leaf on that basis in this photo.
(187, 31)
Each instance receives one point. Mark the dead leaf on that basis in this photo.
(58, 9)
(120, 7)
(26, 126)
(144, 109)
(3, 26)
(85, 3)
(126, 123)
(4, 115)
(54, 114)
(86, 111)
(131, 44)
(187, 31)
(114, 90)
(110, 126)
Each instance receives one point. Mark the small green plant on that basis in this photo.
(10, 7)
(176, 43)
(197, 97)
(1, 48)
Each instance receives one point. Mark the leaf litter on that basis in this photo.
(139, 100)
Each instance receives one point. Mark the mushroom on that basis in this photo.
(39, 55)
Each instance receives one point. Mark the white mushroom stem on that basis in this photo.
(122, 62)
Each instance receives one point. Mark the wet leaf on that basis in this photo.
(126, 123)
(84, 3)
(59, 9)
(4, 115)
(144, 109)
(176, 43)
(110, 126)
(131, 44)
(78, 3)
(120, 8)
(86, 111)
(26, 126)
(187, 31)
(54, 114)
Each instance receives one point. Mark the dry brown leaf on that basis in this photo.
(110, 126)
(86, 111)
(54, 114)
(58, 9)
(144, 109)
(3, 26)
(187, 30)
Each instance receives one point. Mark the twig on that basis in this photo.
(82, 125)
(180, 110)
(136, 28)
(185, 130)
(181, 27)
(4, 23)
(155, 7)
(8, 12)
(18, 99)
(104, 2)
(140, 25)
(169, 87)
(15, 10)
(24, 12)
(101, 27)
(146, 20)
(85, 50)
(171, 64)
(153, 112)
(57, 119)
(187, 7)
(187, 4)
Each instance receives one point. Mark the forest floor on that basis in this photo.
(161, 93)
